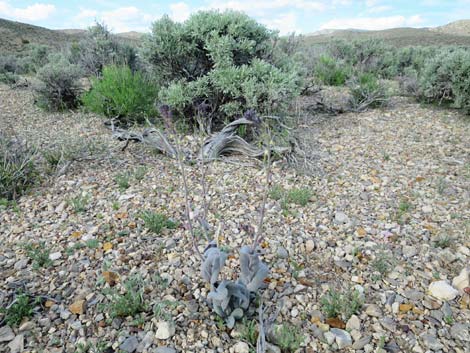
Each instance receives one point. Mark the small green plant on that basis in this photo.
(21, 308)
(296, 268)
(161, 309)
(71, 249)
(444, 241)
(276, 192)
(139, 173)
(129, 303)
(448, 319)
(156, 222)
(92, 243)
(404, 208)
(288, 338)
(89, 347)
(382, 264)
(249, 332)
(79, 203)
(116, 205)
(299, 196)
(343, 305)
(331, 72)
(39, 254)
(123, 181)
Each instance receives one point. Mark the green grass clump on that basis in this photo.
(297, 196)
(21, 308)
(39, 254)
(156, 222)
(331, 72)
(129, 303)
(79, 203)
(335, 304)
(122, 94)
(288, 338)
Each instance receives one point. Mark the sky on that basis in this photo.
(287, 16)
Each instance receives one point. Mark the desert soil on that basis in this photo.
(389, 217)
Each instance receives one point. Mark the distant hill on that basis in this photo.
(460, 28)
(15, 36)
(451, 34)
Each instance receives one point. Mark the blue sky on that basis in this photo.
(300, 16)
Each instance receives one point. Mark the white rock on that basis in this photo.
(409, 251)
(55, 256)
(165, 330)
(462, 280)
(17, 345)
(343, 338)
(309, 245)
(427, 209)
(6, 334)
(330, 338)
(241, 347)
(353, 323)
(341, 218)
(442, 290)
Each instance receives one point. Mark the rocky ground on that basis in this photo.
(388, 220)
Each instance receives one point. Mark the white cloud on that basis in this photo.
(264, 5)
(379, 9)
(180, 11)
(34, 12)
(85, 14)
(125, 19)
(286, 23)
(373, 23)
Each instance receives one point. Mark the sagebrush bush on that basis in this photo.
(121, 94)
(367, 92)
(8, 63)
(445, 79)
(58, 86)
(331, 72)
(221, 61)
(100, 48)
(17, 167)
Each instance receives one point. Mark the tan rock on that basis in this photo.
(77, 307)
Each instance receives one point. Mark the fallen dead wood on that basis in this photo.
(227, 142)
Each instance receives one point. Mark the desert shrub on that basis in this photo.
(331, 72)
(121, 94)
(366, 92)
(222, 61)
(101, 48)
(445, 79)
(58, 86)
(38, 56)
(408, 82)
(17, 167)
(9, 78)
(8, 63)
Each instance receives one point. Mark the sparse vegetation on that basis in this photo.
(18, 171)
(21, 308)
(39, 254)
(128, 303)
(341, 305)
(79, 203)
(367, 92)
(288, 338)
(156, 222)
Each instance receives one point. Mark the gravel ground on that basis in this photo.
(389, 219)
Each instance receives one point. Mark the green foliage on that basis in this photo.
(249, 332)
(335, 304)
(17, 167)
(444, 241)
(9, 78)
(21, 308)
(367, 92)
(288, 338)
(79, 203)
(382, 264)
(445, 79)
(39, 254)
(123, 181)
(156, 222)
(37, 57)
(129, 303)
(220, 60)
(298, 196)
(331, 72)
(58, 87)
(121, 94)
(101, 48)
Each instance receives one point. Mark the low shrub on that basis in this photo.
(331, 72)
(100, 48)
(58, 86)
(17, 167)
(9, 78)
(366, 92)
(121, 94)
